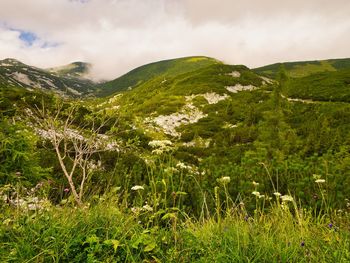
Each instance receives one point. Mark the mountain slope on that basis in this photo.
(305, 68)
(163, 68)
(217, 121)
(197, 103)
(323, 86)
(13, 73)
(75, 70)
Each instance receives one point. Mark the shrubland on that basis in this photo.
(260, 178)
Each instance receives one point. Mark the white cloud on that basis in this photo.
(118, 35)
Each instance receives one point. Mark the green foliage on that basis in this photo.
(327, 86)
(18, 156)
(103, 233)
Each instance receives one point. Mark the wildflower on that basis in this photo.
(181, 165)
(320, 181)
(256, 193)
(137, 187)
(277, 194)
(135, 210)
(157, 151)
(160, 143)
(224, 180)
(255, 183)
(147, 207)
(66, 190)
(330, 225)
(286, 198)
(302, 244)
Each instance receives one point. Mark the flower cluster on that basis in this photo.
(160, 146)
(224, 180)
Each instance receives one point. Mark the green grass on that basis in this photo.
(105, 232)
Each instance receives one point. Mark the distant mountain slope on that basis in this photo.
(305, 68)
(75, 69)
(323, 86)
(163, 68)
(13, 73)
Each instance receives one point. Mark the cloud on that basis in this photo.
(119, 35)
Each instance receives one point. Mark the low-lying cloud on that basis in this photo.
(119, 35)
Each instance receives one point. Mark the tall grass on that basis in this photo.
(153, 227)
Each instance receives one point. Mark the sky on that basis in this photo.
(116, 36)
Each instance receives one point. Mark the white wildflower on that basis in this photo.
(320, 181)
(287, 198)
(137, 187)
(255, 183)
(157, 151)
(256, 193)
(160, 143)
(147, 207)
(224, 180)
(182, 166)
(277, 194)
(135, 210)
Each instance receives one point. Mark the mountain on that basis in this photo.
(14, 73)
(198, 120)
(305, 68)
(165, 68)
(193, 105)
(75, 70)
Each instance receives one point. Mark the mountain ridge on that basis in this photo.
(304, 68)
(14, 73)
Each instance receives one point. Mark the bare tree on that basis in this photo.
(74, 146)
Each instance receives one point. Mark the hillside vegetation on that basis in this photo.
(197, 162)
(305, 68)
(161, 69)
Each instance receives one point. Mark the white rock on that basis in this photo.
(239, 87)
(234, 74)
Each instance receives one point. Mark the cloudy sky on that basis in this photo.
(119, 35)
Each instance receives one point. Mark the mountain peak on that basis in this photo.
(75, 69)
(10, 61)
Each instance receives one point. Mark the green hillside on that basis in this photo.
(305, 68)
(165, 68)
(323, 86)
(198, 162)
